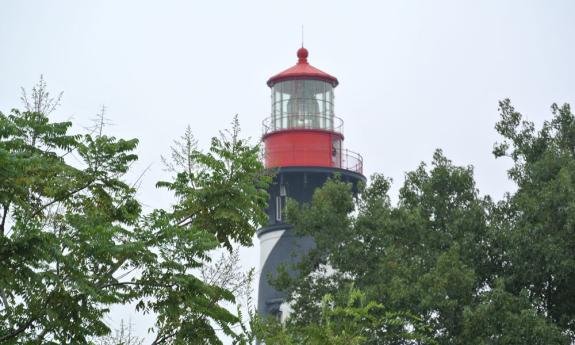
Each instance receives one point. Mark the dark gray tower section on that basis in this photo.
(278, 242)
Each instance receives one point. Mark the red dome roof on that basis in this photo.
(302, 70)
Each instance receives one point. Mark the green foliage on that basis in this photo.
(471, 270)
(73, 240)
(537, 223)
(226, 194)
(504, 318)
(423, 256)
(346, 319)
(64, 229)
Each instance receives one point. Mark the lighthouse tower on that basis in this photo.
(303, 142)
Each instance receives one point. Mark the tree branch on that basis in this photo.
(5, 209)
(103, 286)
(67, 195)
(17, 331)
(160, 339)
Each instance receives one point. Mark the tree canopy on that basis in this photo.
(74, 240)
(474, 271)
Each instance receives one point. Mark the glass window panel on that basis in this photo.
(302, 104)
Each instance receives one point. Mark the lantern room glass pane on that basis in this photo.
(302, 104)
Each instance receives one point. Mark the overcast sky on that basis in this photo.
(414, 75)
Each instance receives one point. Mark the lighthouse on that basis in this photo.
(303, 146)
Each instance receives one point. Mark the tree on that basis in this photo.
(73, 239)
(537, 222)
(418, 257)
(63, 228)
(229, 181)
(437, 254)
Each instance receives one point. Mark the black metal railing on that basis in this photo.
(352, 161)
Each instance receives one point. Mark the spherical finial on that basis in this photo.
(302, 54)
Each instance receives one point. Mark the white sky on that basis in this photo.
(414, 75)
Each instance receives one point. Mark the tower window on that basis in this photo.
(279, 208)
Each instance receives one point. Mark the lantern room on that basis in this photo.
(302, 104)
(303, 129)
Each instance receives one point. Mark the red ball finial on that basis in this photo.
(302, 54)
